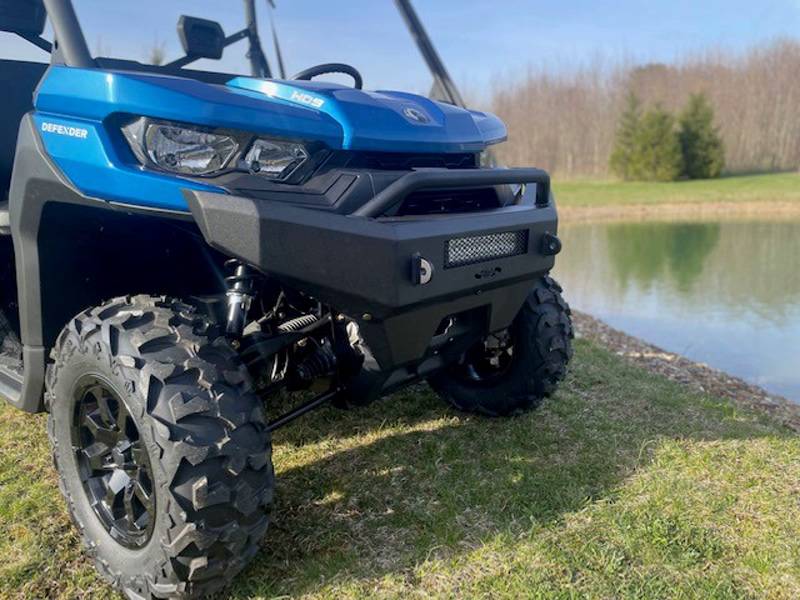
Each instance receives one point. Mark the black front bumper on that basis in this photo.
(364, 265)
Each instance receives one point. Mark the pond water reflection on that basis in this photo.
(726, 293)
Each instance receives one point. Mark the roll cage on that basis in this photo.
(70, 48)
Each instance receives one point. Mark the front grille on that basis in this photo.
(398, 161)
(460, 252)
(437, 202)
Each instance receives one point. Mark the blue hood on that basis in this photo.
(78, 117)
(339, 116)
(383, 120)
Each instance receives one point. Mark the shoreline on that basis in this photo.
(766, 210)
(698, 376)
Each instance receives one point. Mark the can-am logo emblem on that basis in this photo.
(415, 115)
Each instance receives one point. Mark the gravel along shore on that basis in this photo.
(677, 368)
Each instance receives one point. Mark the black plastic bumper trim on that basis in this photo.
(363, 266)
(451, 179)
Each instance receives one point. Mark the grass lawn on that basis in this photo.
(624, 485)
(780, 187)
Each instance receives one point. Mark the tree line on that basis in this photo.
(569, 122)
(650, 147)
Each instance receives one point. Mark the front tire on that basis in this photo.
(161, 447)
(501, 377)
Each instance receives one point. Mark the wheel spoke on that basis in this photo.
(127, 501)
(116, 483)
(111, 495)
(106, 411)
(95, 393)
(99, 430)
(97, 456)
(115, 467)
(139, 454)
(144, 496)
(123, 416)
(488, 360)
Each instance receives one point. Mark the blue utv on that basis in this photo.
(180, 245)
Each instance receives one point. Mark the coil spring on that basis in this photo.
(297, 323)
(241, 280)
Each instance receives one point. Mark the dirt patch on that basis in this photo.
(695, 210)
(698, 376)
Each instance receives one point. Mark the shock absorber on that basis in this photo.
(240, 295)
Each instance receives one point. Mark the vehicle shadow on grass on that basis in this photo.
(380, 490)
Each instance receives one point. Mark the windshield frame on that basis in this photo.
(70, 47)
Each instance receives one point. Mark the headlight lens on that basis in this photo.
(192, 150)
(274, 159)
(179, 148)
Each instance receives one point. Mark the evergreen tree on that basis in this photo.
(701, 145)
(626, 136)
(656, 154)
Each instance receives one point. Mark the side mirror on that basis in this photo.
(26, 17)
(200, 38)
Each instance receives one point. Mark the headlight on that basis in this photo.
(274, 159)
(193, 150)
(179, 148)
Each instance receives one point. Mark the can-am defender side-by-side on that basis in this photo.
(179, 245)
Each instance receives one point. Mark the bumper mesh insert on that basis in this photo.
(460, 252)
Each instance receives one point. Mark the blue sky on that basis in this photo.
(481, 41)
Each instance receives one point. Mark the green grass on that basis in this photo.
(624, 485)
(781, 187)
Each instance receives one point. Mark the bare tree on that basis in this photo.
(157, 53)
(564, 121)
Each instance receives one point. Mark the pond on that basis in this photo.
(726, 293)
